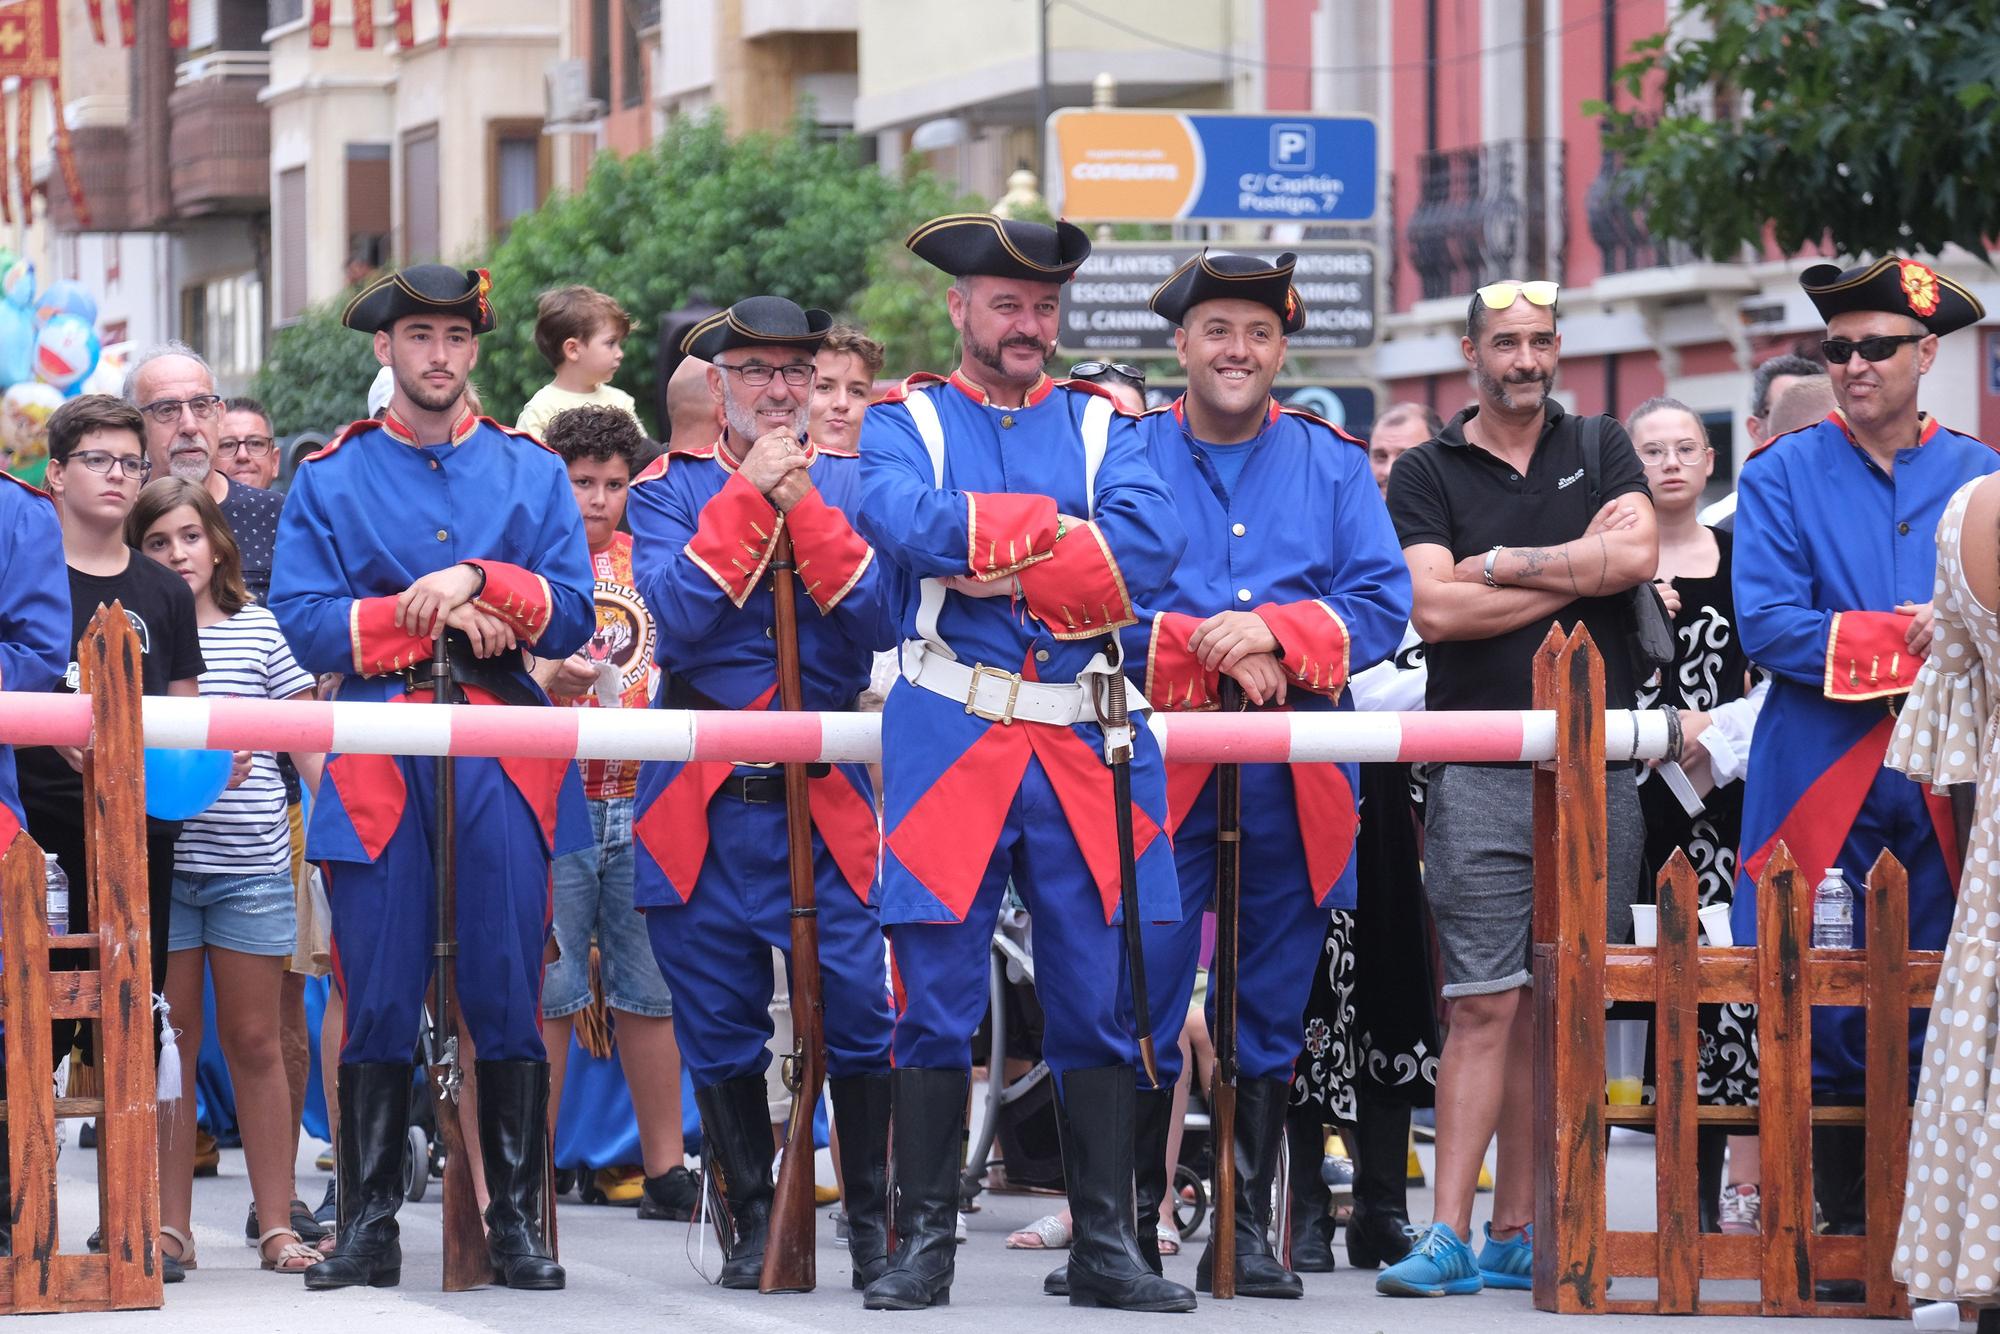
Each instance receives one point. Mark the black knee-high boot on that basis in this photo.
(374, 1130)
(1378, 1231)
(861, 1113)
(927, 1118)
(514, 1140)
(1260, 1125)
(736, 1147)
(1312, 1202)
(1105, 1267)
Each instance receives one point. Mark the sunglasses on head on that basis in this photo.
(1879, 348)
(1084, 370)
(1499, 296)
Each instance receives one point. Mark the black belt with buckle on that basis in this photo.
(501, 676)
(755, 789)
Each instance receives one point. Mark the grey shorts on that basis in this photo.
(1479, 870)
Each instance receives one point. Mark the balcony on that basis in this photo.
(103, 158)
(220, 150)
(1487, 212)
(1620, 232)
(798, 18)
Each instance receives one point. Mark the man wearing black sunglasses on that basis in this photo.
(1835, 556)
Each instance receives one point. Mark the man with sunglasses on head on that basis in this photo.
(174, 390)
(1517, 517)
(1836, 550)
(710, 836)
(1125, 383)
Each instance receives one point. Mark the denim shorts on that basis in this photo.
(251, 914)
(594, 897)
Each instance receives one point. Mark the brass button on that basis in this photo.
(769, 633)
(443, 535)
(1903, 528)
(1242, 595)
(434, 465)
(1007, 422)
(1239, 530)
(1041, 655)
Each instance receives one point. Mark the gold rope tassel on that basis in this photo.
(593, 1022)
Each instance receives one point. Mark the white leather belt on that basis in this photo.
(1005, 697)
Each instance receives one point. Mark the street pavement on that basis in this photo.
(625, 1273)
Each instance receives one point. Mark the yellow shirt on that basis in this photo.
(549, 400)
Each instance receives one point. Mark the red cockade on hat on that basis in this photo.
(1920, 287)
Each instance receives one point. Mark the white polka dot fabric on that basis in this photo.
(1949, 1245)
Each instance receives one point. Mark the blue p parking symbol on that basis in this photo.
(1291, 147)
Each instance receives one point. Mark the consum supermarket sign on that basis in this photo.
(1173, 166)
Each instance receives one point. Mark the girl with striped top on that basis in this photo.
(233, 906)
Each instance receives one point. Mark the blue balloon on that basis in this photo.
(181, 784)
(17, 344)
(64, 297)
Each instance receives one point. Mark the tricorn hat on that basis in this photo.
(422, 289)
(1225, 276)
(1899, 286)
(757, 321)
(969, 245)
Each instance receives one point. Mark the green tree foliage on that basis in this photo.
(702, 215)
(316, 375)
(1868, 125)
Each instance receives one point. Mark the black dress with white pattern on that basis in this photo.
(1709, 669)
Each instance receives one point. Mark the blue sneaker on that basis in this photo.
(1509, 1264)
(1440, 1266)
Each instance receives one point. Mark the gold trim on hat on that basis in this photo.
(1874, 271)
(960, 219)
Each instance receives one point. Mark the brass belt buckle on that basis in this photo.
(1005, 716)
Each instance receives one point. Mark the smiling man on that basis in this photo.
(1291, 581)
(1836, 551)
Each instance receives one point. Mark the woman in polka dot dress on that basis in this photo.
(1949, 1245)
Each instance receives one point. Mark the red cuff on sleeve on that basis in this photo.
(1312, 644)
(734, 538)
(1868, 655)
(1175, 678)
(831, 555)
(1078, 591)
(379, 646)
(517, 596)
(1005, 532)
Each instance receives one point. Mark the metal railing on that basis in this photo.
(1491, 211)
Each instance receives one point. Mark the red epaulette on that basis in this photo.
(518, 434)
(917, 380)
(653, 471)
(347, 432)
(29, 487)
(1786, 435)
(1288, 410)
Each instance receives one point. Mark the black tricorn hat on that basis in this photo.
(422, 289)
(1899, 286)
(970, 245)
(1220, 277)
(757, 321)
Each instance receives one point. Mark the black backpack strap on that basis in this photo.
(1593, 458)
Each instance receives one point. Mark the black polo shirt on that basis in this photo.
(1451, 493)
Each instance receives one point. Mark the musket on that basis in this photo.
(1118, 753)
(466, 1262)
(790, 1249)
(1222, 984)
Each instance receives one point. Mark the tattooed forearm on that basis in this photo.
(1603, 565)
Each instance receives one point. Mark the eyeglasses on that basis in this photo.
(1499, 296)
(253, 446)
(130, 466)
(1687, 452)
(1879, 348)
(167, 411)
(1090, 370)
(757, 375)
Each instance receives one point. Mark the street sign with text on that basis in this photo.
(1172, 166)
(1104, 306)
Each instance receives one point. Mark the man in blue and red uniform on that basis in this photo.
(713, 875)
(1292, 582)
(434, 521)
(1835, 556)
(1018, 522)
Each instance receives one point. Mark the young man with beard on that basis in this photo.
(1291, 581)
(711, 845)
(1019, 521)
(433, 522)
(174, 390)
(1507, 531)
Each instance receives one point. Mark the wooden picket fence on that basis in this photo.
(1576, 975)
(116, 994)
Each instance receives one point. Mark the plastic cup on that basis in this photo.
(1646, 925)
(1625, 1062)
(1715, 921)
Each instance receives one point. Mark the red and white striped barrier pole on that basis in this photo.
(774, 738)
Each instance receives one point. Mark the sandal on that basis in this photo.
(1169, 1239)
(294, 1257)
(1047, 1233)
(174, 1264)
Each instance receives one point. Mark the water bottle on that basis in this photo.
(1833, 913)
(55, 886)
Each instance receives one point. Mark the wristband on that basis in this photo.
(481, 572)
(1491, 556)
